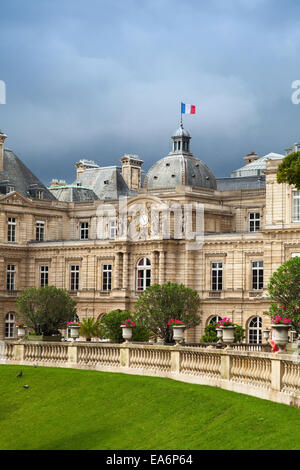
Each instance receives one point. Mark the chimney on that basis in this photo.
(251, 157)
(131, 170)
(2, 139)
(83, 165)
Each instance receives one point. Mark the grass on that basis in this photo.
(79, 409)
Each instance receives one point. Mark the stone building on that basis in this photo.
(116, 230)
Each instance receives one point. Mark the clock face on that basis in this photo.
(144, 219)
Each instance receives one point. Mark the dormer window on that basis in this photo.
(39, 194)
(10, 189)
(106, 181)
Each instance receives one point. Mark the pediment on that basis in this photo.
(16, 199)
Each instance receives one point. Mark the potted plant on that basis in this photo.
(280, 331)
(21, 329)
(74, 329)
(89, 328)
(178, 329)
(127, 326)
(228, 329)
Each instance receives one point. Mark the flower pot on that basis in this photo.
(126, 332)
(219, 335)
(228, 334)
(21, 332)
(178, 333)
(74, 331)
(280, 335)
(266, 334)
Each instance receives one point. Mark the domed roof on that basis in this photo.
(181, 132)
(177, 170)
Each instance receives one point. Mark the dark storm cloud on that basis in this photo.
(98, 79)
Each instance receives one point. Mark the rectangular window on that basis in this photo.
(11, 277)
(40, 231)
(74, 277)
(44, 271)
(254, 221)
(106, 276)
(216, 276)
(112, 229)
(257, 275)
(296, 206)
(11, 234)
(84, 230)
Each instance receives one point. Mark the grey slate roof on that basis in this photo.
(16, 174)
(177, 170)
(72, 193)
(106, 182)
(257, 167)
(245, 182)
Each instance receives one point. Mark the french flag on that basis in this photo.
(188, 108)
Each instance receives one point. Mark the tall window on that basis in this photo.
(11, 234)
(9, 325)
(255, 330)
(254, 221)
(84, 230)
(112, 229)
(257, 275)
(74, 277)
(40, 231)
(216, 276)
(11, 277)
(296, 206)
(44, 272)
(106, 276)
(143, 277)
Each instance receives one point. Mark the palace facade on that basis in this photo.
(116, 230)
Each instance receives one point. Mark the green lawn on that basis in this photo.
(74, 409)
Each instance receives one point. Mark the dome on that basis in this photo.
(181, 132)
(177, 170)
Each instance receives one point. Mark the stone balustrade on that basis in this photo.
(274, 377)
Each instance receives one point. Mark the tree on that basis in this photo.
(210, 334)
(110, 325)
(284, 292)
(289, 170)
(90, 328)
(159, 303)
(46, 309)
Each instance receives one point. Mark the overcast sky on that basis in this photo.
(96, 79)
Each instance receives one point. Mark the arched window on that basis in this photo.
(214, 319)
(255, 330)
(9, 325)
(143, 274)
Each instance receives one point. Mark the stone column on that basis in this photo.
(117, 271)
(125, 269)
(161, 269)
(276, 374)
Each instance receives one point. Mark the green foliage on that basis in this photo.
(284, 292)
(210, 335)
(159, 303)
(90, 328)
(46, 309)
(289, 170)
(110, 326)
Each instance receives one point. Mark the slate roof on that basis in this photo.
(257, 166)
(73, 193)
(244, 182)
(105, 182)
(16, 174)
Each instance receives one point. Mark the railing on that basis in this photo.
(271, 376)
